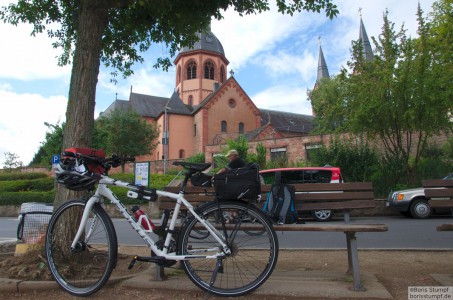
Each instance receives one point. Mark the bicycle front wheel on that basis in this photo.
(84, 270)
(252, 258)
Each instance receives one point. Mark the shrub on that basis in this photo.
(197, 158)
(21, 176)
(356, 159)
(39, 185)
(17, 198)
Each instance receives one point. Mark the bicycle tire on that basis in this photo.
(252, 260)
(85, 270)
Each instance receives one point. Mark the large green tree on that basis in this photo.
(125, 133)
(400, 98)
(115, 32)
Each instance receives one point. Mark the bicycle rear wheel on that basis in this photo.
(84, 270)
(253, 257)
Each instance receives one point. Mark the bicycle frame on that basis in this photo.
(103, 191)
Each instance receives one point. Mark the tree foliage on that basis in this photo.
(12, 161)
(50, 146)
(116, 32)
(402, 97)
(125, 133)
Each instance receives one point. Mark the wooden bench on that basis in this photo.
(314, 196)
(439, 193)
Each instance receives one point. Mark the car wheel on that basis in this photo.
(420, 209)
(407, 214)
(322, 215)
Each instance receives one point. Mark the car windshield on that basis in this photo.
(449, 177)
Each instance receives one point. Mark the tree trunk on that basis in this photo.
(92, 21)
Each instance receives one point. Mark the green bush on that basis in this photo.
(123, 177)
(355, 158)
(17, 198)
(42, 184)
(38, 185)
(197, 158)
(21, 176)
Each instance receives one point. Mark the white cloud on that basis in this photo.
(282, 63)
(244, 37)
(22, 118)
(26, 57)
(284, 98)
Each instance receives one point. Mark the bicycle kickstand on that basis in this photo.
(218, 269)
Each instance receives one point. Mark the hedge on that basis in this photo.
(38, 185)
(17, 198)
(21, 176)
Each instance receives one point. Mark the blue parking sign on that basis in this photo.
(55, 159)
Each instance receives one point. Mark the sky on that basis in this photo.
(274, 58)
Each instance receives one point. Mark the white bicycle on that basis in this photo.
(219, 257)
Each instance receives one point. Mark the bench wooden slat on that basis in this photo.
(190, 189)
(356, 204)
(334, 196)
(441, 203)
(333, 227)
(445, 227)
(316, 187)
(439, 193)
(437, 183)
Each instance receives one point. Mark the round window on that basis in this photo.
(232, 103)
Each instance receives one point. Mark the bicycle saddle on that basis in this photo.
(199, 167)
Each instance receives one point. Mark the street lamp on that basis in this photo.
(165, 138)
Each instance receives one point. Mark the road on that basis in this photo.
(404, 233)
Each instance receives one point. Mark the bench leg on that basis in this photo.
(353, 261)
(159, 274)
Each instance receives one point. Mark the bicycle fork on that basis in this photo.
(86, 213)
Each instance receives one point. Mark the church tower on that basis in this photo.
(367, 52)
(323, 72)
(200, 69)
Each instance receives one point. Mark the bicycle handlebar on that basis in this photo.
(107, 163)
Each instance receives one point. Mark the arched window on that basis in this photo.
(223, 126)
(191, 100)
(182, 153)
(241, 127)
(222, 74)
(191, 70)
(209, 70)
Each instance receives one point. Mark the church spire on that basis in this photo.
(323, 72)
(363, 37)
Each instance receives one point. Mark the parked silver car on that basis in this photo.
(412, 202)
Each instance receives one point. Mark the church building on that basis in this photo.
(209, 106)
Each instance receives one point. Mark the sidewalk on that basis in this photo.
(299, 274)
(313, 284)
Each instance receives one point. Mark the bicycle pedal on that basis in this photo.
(132, 264)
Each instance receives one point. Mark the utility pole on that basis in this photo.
(165, 139)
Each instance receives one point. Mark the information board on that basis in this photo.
(141, 173)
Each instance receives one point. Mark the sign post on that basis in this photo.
(141, 173)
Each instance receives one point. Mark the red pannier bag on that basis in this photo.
(89, 165)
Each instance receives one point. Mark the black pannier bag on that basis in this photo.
(201, 179)
(242, 183)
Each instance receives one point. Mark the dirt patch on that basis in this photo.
(396, 270)
(33, 264)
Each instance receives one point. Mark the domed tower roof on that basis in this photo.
(208, 42)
